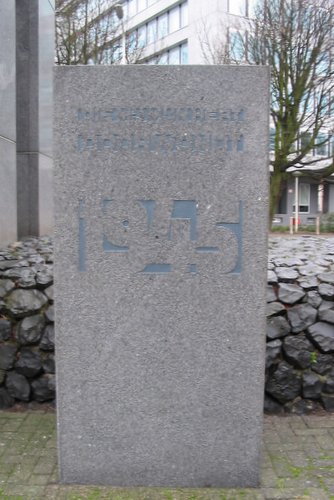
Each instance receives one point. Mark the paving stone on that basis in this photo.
(303, 446)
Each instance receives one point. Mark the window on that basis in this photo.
(305, 138)
(303, 198)
(321, 147)
(132, 7)
(174, 19)
(125, 10)
(163, 58)
(166, 23)
(184, 14)
(237, 45)
(141, 5)
(252, 6)
(162, 25)
(237, 7)
(272, 139)
(174, 56)
(184, 53)
(132, 42)
(141, 36)
(152, 31)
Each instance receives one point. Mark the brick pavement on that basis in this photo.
(297, 463)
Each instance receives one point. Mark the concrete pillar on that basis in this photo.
(8, 211)
(34, 62)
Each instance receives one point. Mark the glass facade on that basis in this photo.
(133, 7)
(162, 25)
(174, 55)
(237, 44)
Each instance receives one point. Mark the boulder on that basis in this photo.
(302, 406)
(50, 314)
(297, 350)
(271, 277)
(273, 352)
(313, 298)
(6, 400)
(311, 270)
(18, 386)
(322, 363)
(29, 363)
(322, 335)
(277, 326)
(271, 406)
(23, 276)
(5, 329)
(290, 294)
(44, 388)
(49, 365)
(7, 356)
(48, 339)
(29, 330)
(44, 277)
(326, 291)
(22, 303)
(327, 277)
(5, 287)
(328, 401)
(284, 384)
(49, 292)
(286, 274)
(275, 308)
(312, 385)
(271, 294)
(301, 316)
(8, 264)
(308, 284)
(329, 383)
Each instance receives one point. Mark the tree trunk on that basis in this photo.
(276, 183)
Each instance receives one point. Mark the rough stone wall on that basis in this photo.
(300, 333)
(27, 365)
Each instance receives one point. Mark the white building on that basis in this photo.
(176, 32)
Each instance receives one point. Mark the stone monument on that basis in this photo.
(161, 181)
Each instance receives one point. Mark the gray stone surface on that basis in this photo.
(277, 326)
(7, 123)
(8, 207)
(22, 303)
(26, 62)
(168, 389)
(322, 334)
(290, 294)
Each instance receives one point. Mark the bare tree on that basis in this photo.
(92, 32)
(296, 38)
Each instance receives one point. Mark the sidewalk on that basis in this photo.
(298, 463)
